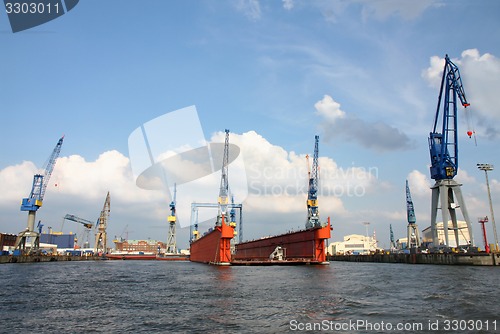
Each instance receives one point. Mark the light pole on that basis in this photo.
(367, 238)
(486, 168)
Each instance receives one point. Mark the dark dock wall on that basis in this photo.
(436, 258)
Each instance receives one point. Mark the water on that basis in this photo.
(182, 297)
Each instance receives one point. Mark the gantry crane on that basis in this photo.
(171, 240)
(443, 148)
(35, 200)
(413, 236)
(312, 194)
(86, 223)
(101, 237)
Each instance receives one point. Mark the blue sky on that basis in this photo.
(263, 69)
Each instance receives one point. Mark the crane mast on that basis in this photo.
(101, 237)
(393, 243)
(443, 149)
(443, 146)
(35, 200)
(223, 200)
(413, 236)
(171, 241)
(312, 194)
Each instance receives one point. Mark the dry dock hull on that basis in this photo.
(302, 246)
(214, 247)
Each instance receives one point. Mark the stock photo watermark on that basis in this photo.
(26, 14)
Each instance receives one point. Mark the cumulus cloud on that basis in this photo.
(419, 184)
(481, 77)
(276, 180)
(372, 135)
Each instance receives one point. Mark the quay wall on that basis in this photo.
(481, 259)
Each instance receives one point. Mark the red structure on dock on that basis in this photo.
(306, 246)
(214, 247)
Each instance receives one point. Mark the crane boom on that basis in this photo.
(101, 237)
(40, 181)
(224, 183)
(410, 211)
(312, 195)
(443, 146)
(87, 223)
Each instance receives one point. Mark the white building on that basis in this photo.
(353, 244)
(463, 234)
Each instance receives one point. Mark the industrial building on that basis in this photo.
(354, 244)
(462, 229)
(146, 246)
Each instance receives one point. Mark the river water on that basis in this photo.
(184, 297)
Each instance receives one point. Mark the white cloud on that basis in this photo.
(419, 184)
(329, 109)
(481, 77)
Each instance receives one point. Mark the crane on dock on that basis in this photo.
(35, 200)
(223, 200)
(101, 237)
(443, 148)
(391, 235)
(86, 223)
(171, 241)
(312, 194)
(413, 236)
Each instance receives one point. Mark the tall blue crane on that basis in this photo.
(443, 148)
(35, 200)
(312, 194)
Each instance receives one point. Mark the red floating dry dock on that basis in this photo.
(301, 247)
(214, 247)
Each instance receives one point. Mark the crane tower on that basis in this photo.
(443, 148)
(101, 237)
(171, 241)
(413, 236)
(312, 194)
(35, 199)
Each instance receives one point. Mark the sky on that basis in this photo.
(364, 75)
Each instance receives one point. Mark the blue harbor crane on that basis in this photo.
(413, 236)
(35, 200)
(443, 148)
(312, 194)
